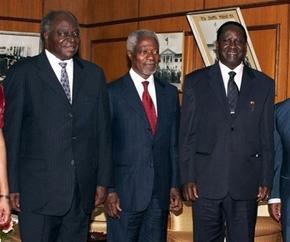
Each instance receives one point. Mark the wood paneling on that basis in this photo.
(227, 3)
(19, 26)
(27, 9)
(270, 39)
(108, 43)
(271, 35)
(105, 26)
(153, 7)
(78, 7)
(173, 24)
(111, 10)
(112, 56)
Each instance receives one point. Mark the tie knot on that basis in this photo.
(232, 74)
(62, 64)
(145, 84)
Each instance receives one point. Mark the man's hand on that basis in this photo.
(263, 193)
(190, 191)
(15, 201)
(100, 196)
(275, 211)
(112, 205)
(175, 200)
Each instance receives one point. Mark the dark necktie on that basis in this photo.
(149, 107)
(233, 92)
(64, 80)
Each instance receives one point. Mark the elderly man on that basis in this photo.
(58, 136)
(144, 113)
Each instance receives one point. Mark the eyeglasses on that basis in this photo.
(65, 34)
(146, 52)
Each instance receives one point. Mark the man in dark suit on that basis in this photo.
(279, 202)
(226, 141)
(145, 113)
(58, 136)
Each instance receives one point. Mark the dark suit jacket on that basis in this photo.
(141, 160)
(281, 184)
(227, 154)
(50, 143)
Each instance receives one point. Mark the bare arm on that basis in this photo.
(4, 191)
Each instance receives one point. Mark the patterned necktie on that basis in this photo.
(233, 92)
(64, 80)
(149, 107)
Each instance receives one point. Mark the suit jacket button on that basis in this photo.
(232, 128)
(72, 162)
(70, 115)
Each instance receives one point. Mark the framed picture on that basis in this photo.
(171, 58)
(204, 25)
(15, 46)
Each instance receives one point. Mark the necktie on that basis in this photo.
(149, 107)
(233, 92)
(64, 80)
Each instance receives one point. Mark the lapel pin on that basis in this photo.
(252, 104)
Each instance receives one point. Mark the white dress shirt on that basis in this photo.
(54, 62)
(137, 80)
(225, 74)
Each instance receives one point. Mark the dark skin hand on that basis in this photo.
(14, 201)
(112, 205)
(175, 200)
(275, 211)
(190, 191)
(100, 196)
(101, 193)
(263, 193)
(113, 209)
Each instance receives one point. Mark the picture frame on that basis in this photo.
(15, 46)
(204, 25)
(171, 49)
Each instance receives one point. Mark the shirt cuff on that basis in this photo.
(274, 200)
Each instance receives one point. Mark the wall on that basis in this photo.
(267, 22)
(106, 24)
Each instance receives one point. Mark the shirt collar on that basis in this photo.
(137, 78)
(238, 70)
(53, 59)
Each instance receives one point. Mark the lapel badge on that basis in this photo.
(252, 105)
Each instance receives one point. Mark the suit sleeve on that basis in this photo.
(104, 137)
(14, 88)
(187, 133)
(175, 179)
(267, 139)
(278, 158)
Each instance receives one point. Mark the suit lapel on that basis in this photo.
(47, 74)
(161, 103)
(216, 83)
(246, 89)
(132, 98)
(79, 77)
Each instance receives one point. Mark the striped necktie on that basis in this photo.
(64, 80)
(233, 92)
